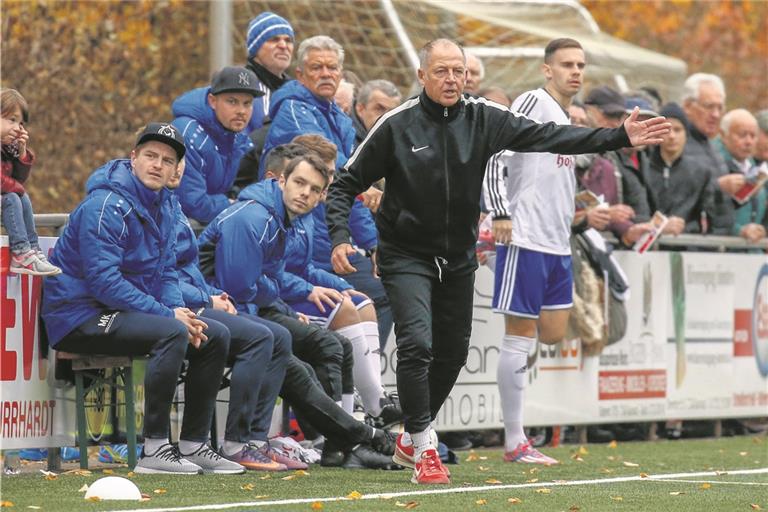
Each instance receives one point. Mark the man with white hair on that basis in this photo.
(737, 143)
(475, 73)
(703, 101)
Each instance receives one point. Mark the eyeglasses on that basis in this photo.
(710, 107)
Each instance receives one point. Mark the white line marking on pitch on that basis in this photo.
(453, 490)
(714, 482)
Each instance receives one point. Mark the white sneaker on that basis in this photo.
(212, 462)
(166, 459)
(30, 263)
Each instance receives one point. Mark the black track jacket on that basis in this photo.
(433, 158)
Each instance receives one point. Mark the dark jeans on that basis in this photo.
(257, 357)
(315, 345)
(19, 221)
(432, 309)
(166, 341)
(302, 390)
(364, 281)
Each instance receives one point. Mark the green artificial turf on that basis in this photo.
(724, 491)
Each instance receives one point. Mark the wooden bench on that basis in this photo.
(121, 377)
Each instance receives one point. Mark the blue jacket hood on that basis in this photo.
(117, 176)
(194, 104)
(268, 194)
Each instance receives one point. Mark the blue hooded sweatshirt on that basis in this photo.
(294, 110)
(242, 250)
(195, 291)
(116, 253)
(212, 158)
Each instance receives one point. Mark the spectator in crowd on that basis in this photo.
(475, 73)
(262, 217)
(345, 96)
(622, 190)
(703, 102)
(496, 94)
(376, 98)
(428, 224)
(761, 150)
(332, 302)
(306, 105)
(17, 213)
(534, 308)
(676, 186)
(577, 113)
(212, 120)
(119, 294)
(635, 160)
(257, 356)
(269, 44)
(737, 143)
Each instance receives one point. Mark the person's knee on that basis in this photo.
(346, 315)
(219, 337)
(368, 313)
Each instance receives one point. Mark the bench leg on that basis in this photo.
(82, 435)
(130, 416)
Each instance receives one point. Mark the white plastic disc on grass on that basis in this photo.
(113, 488)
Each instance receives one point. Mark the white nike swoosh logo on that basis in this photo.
(416, 150)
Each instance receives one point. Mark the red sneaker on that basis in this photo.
(403, 454)
(429, 469)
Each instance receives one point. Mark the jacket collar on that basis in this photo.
(438, 111)
(273, 82)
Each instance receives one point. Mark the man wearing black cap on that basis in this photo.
(213, 121)
(118, 294)
(678, 185)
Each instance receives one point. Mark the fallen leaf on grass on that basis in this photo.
(577, 458)
(472, 456)
(757, 440)
(532, 480)
(743, 454)
(84, 488)
(316, 505)
(131, 474)
(160, 491)
(493, 481)
(606, 470)
(408, 506)
(755, 506)
(613, 444)
(4, 504)
(630, 464)
(354, 495)
(617, 498)
(49, 475)
(482, 468)
(705, 485)
(247, 487)
(533, 471)
(676, 493)
(611, 458)
(78, 472)
(93, 498)
(544, 491)
(108, 472)
(145, 497)
(574, 508)
(643, 475)
(289, 477)
(301, 472)
(481, 502)
(514, 501)
(261, 496)
(265, 477)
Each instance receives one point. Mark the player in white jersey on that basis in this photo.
(531, 199)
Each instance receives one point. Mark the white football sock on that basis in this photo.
(371, 330)
(421, 443)
(512, 375)
(367, 383)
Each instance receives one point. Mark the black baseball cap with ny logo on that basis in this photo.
(235, 79)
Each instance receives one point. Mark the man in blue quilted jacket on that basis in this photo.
(214, 122)
(118, 294)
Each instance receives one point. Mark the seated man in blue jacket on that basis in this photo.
(118, 294)
(214, 122)
(243, 252)
(326, 298)
(257, 355)
(307, 106)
